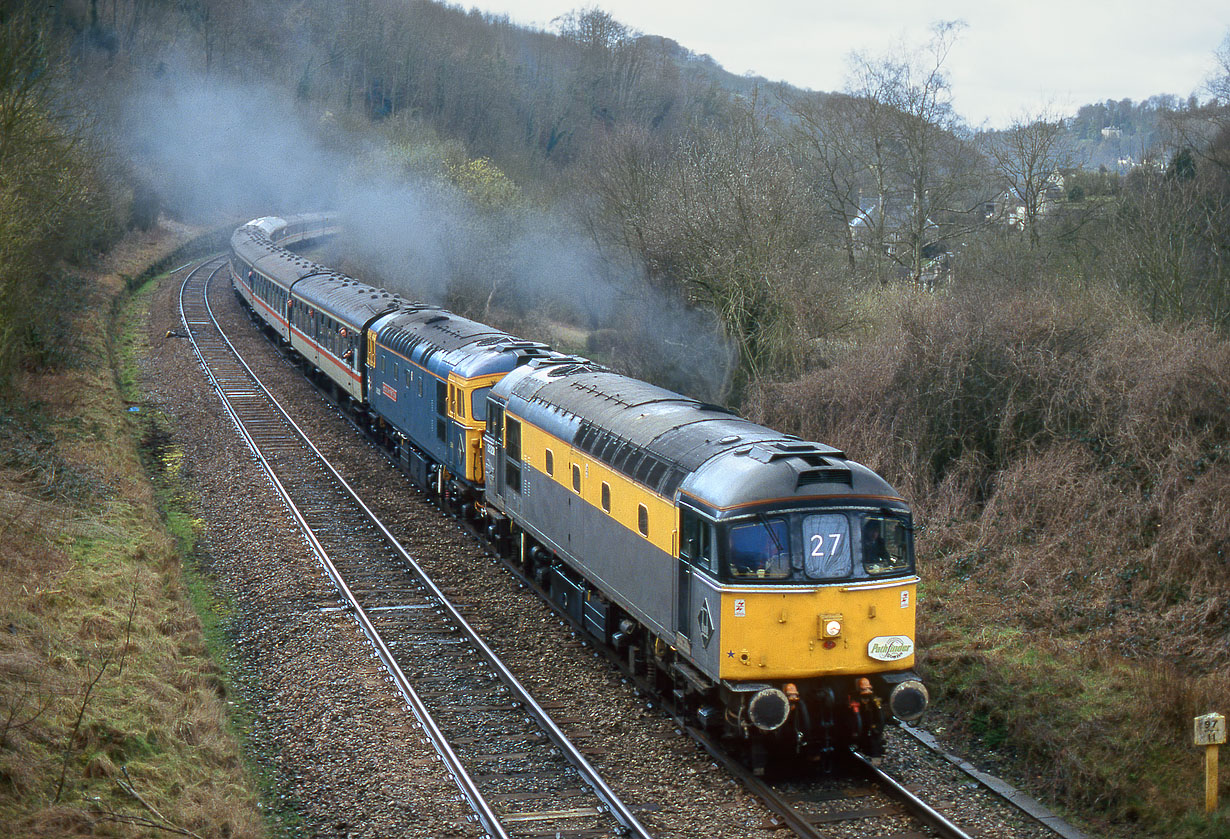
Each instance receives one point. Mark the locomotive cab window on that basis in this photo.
(512, 447)
(886, 545)
(441, 410)
(478, 404)
(495, 421)
(759, 549)
(826, 546)
(512, 438)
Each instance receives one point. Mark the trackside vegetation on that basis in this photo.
(113, 714)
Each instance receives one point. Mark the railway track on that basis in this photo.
(515, 768)
(813, 806)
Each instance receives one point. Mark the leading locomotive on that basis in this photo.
(763, 585)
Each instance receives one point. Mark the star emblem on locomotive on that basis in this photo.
(705, 621)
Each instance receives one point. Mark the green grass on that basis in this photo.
(164, 462)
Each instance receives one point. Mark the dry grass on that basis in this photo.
(1069, 464)
(107, 693)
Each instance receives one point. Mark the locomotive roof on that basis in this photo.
(673, 443)
(443, 341)
(354, 303)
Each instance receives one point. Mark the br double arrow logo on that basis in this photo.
(705, 621)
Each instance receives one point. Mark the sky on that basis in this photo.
(1013, 59)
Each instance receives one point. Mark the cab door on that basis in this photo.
(683, 607)
(493, 440)
(511, 468)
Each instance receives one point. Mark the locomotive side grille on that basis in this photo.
(628, 459)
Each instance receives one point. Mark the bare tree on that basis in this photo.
(827, 137)
(1171, 242)
(1028, 157)
(925, 174)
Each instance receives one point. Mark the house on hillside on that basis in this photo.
(894, 222)
(1010, 209)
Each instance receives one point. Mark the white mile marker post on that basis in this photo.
(1210, 732)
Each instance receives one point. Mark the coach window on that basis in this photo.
(606, 496)
(576, 477)
(550, 462)
(642, 519)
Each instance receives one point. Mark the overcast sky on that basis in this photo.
(1013, 59)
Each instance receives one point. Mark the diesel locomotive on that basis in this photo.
(764, 586)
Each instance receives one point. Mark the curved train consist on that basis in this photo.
(765, 585)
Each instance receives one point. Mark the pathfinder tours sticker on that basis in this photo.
(890, 647)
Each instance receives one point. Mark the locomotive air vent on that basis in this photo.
(436, 319)
(730, 440)
(812, 454)
(830, 473)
